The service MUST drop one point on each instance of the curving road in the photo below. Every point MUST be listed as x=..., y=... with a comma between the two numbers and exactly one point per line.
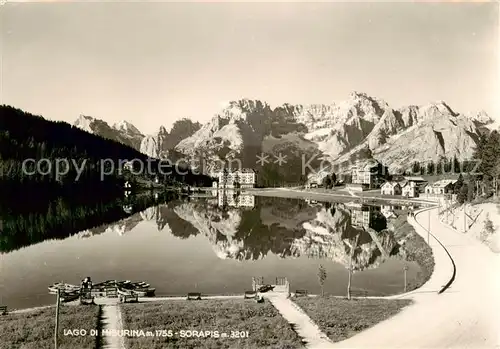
x=464, y=315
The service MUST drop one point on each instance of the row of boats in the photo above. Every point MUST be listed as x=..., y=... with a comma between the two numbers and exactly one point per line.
x=70, y=292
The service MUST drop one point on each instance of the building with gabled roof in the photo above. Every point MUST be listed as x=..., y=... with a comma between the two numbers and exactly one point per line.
x=391, y=188
x=444, y=186
x=410, y=189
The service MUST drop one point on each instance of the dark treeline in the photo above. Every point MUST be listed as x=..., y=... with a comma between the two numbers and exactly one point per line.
x=41, y=203
x=25, y=136
x=442, y=166
x=484, y=183
x=488, y=154
x=62, y=218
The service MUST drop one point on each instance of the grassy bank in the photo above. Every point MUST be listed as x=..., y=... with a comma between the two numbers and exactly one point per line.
x=35, y=329
x=341, y=318
x=416, y=248
x=265, y=327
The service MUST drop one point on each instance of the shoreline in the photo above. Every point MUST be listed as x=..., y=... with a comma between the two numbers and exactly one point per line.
x=270, y=192
x=333, y=196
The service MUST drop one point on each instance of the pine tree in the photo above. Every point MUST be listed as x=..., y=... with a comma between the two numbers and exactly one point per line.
x=333, y=177
x=462, y=196
x=327, y=182
x=458, y=184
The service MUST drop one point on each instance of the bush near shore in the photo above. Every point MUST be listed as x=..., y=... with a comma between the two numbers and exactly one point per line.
x=35, y=329
x=416, y=249
x=265, y=326
x=340, y=318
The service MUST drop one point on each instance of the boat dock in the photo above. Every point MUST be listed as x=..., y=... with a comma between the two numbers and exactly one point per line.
x=281, y=286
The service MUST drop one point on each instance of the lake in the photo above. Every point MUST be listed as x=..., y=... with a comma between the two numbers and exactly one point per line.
x=215, y=246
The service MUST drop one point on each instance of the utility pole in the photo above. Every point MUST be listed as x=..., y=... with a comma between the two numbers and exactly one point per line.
x=405, y=270
x=56, y=330
x=353, y=248
x=465, y=217
x=428, y=225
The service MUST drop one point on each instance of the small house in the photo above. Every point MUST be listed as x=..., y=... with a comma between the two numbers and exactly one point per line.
x=391, y=188
x=441, y=187
x=410, y=189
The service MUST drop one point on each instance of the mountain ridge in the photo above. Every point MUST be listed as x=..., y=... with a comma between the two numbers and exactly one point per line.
x=337, y=131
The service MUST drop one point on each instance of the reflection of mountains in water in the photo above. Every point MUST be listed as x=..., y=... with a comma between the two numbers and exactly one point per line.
x=291, y=231
x=127, y=224
x=332, y=234
x=287, y=228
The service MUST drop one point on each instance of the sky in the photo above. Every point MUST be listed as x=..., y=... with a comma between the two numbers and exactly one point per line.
x=154, y=63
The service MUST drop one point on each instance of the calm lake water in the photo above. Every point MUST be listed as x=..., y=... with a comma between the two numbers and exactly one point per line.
x=215, y=246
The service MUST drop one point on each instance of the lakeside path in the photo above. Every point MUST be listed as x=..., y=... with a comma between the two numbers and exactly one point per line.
x=465, y=315
x=112, y=321
x=458, y=307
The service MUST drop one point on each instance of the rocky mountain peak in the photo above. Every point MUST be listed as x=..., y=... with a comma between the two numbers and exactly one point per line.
x=84, y=122
x=125, y=126
x=481, y=117
x=239, y=110
x=439, y=107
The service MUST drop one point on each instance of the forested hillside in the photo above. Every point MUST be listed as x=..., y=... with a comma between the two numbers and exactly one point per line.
x=25, y=136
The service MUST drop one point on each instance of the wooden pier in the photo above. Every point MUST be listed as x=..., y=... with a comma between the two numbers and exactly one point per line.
x=280, y=285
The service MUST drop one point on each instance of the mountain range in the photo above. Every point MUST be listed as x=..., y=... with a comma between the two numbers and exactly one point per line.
x=359, y=127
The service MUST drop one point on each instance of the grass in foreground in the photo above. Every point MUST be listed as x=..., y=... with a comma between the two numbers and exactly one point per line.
x=264, y=325
x=341, y=318
x=35, y=329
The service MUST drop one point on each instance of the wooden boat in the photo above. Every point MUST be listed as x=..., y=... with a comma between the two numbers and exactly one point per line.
x=123, y=292
x=63, y=287
x=133, y=285
x=265, y=288
x=68, y=297
x=146, y=292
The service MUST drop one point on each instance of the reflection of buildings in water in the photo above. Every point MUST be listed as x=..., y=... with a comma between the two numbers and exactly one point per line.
x=388, y=211
x=362, y=215
x=313, y=202
x=229, y=198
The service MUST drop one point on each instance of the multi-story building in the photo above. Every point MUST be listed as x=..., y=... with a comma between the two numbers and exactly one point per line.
x=227, y=178
x=369, y=174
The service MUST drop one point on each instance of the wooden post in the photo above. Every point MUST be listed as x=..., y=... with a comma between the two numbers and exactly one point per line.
x=405, y=270
x=353, y=248
x=428, y=225
x=465, y=218
x=349, y=281
x=56, y=330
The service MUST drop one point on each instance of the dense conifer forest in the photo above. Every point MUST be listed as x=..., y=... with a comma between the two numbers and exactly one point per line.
x=36, y=204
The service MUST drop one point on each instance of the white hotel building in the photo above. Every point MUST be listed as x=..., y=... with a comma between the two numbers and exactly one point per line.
x=228, y=178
